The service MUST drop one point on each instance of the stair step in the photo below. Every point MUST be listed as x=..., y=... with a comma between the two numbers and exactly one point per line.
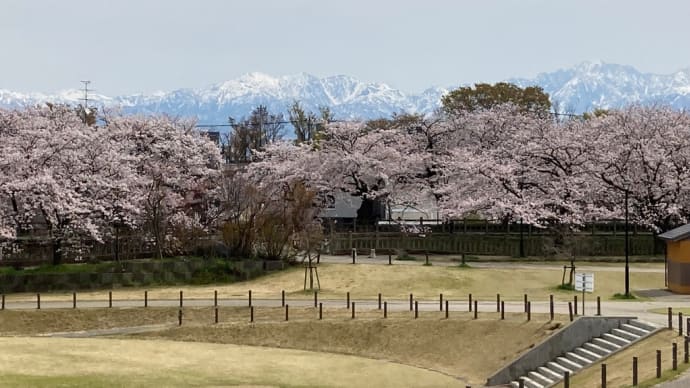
x=529, y=383
x=539, y=378
x=568, y=364
x=574, y=357
x=550, y=374
x=558, y=368
x=584, y=353
x=616, y=339
x=643, y=325
x=634, y=329
x=626, y=334
x=594, y=348
x=606, y=344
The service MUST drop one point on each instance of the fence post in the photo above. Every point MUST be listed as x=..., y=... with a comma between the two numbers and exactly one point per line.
x=575, y=304
x=286, y=312
x=282, y=298
x=603, y=375
x=181, y=298
x=680, y=323
x=570, y=310
x=446, y=308
x=110, y=299
x=475, y=309
x=416, y=309
x=3, y=301
x=525, y=302
x=658, y=364
x=38, y=301
x=390, y=262
x=320, y=311
x=566, y=380
x=385, y=309
x=316, y=299
x=249, y=297
x=353, y=310
x=634, y=372
x=411, y=306
x=598, y=305
x=347, y=300
x=354, y=255
x=498, y=303
x=551, y=306
x=470, y=302
x=503, y=310
x=440, y=302
x=379, y=301
x=74, y=300
x=146, y=299
x=251, y=313
x=179, y=317
x=674, y=356
x=670, y=318
x=529, y=311
x=215, y=299
x=216, y=315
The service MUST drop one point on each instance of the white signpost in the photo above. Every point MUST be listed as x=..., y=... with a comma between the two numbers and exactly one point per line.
x=584, y=282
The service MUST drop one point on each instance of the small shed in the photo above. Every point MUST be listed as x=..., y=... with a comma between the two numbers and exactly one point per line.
x=678, y=259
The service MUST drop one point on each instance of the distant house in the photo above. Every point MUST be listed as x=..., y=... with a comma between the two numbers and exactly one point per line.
x=678, y=259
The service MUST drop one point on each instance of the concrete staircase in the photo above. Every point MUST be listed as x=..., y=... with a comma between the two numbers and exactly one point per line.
x=586, y=355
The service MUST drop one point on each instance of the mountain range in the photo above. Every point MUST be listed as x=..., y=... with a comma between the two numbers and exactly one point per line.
x=578, y=89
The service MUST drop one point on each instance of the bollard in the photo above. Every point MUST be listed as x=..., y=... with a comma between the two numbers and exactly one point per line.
x=634, y=372
x=316, y=299
x=603, y=375
x=74, y=300
x=475, y=309
x=498, y=303
x=529, y=311
x=320, y=311
x=503, y=310
x=440, y=302
x=680, y=324
x=3, y=301
x=658, y=364
x=551, y=306
x=390, y=262
x=446, y=308
x=215, y=299
x=566, y=380
x=411, y=306
x=181, y=298
x=286, y=312
x=250, y=298
x=598, y=306
x=347, y=299
x=525, y=302
x=416, y=309
x=385, y=309
x=670, y=318
x=353, y=310
x=354, y=255
x=686, y=354
x=110, y=299
x=216, y=315
x=146, y=299
x=470, y=299
x=575, y=304
x=570, y=310
x=179, y=317
x=38, y=301
x=379, y=301
x=674, y=356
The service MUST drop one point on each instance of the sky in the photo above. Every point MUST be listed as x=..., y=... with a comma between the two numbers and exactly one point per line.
x=142, y=46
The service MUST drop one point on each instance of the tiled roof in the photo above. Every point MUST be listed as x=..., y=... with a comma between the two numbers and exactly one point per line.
x=679, y=233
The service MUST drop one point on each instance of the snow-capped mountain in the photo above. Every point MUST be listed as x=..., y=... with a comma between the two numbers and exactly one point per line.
x=583, y=87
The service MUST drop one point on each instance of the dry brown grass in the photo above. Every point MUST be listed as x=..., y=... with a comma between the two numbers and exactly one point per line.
x=49, y=362
x=460, y=346
x=394, y=282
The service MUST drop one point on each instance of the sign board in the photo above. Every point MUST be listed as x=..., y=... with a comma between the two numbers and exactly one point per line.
x=584, y=282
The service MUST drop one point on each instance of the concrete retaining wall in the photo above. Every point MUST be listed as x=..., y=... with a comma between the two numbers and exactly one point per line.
x=570, y=337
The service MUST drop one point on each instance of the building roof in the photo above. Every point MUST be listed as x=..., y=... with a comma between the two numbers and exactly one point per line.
x=677, y=234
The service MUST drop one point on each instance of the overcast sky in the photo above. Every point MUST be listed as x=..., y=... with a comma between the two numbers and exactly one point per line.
x=131, y=46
